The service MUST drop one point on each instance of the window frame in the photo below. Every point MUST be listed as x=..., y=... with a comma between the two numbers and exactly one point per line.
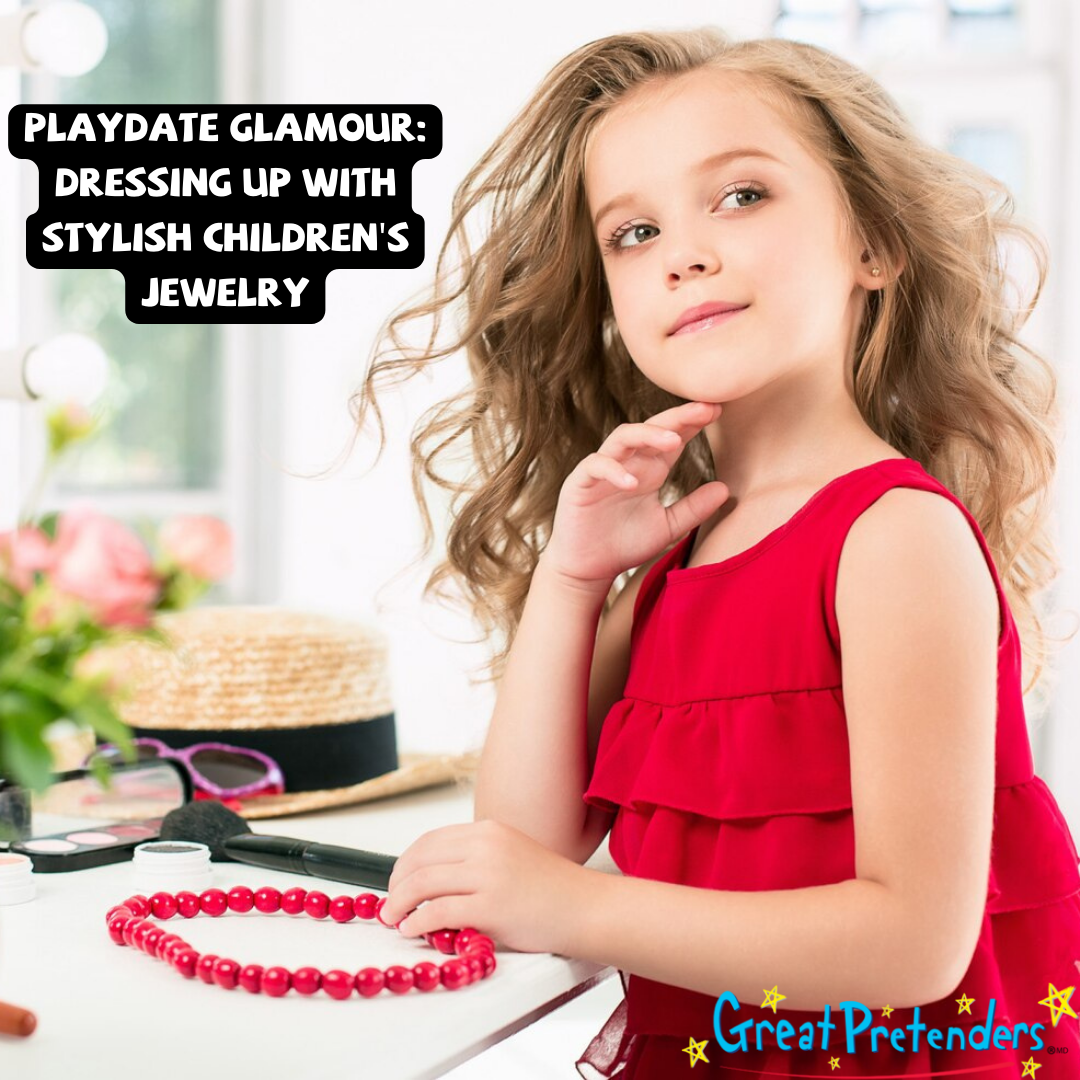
x=243, y=497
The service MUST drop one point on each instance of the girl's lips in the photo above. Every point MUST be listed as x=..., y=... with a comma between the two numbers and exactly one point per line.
x=708, y=322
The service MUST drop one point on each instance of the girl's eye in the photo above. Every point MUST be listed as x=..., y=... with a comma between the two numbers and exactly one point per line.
x=614, y=241
x=757, y=193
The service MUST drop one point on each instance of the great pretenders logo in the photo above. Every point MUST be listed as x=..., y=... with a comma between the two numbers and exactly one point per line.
x=838, y=1032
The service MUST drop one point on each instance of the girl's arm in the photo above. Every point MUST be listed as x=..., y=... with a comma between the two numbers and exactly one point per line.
x=918, y=615
x=556, y=690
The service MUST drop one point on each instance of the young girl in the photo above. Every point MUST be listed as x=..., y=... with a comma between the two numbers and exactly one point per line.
x=730, y=272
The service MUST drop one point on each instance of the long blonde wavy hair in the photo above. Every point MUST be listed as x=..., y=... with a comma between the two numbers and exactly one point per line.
x=939, y=372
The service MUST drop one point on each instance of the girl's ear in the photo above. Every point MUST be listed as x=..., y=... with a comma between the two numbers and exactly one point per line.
x=874, y=272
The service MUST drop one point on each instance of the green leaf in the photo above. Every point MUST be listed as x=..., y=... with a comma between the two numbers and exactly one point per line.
x=47, y=523
x=102, y=771
x=100, y=715
x=26, y=710
x=27, y=758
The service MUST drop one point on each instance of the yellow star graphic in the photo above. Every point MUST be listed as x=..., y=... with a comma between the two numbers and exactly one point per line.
x=696, y=1050
x=1058, y=1001
x=887, y=1011
x=965, y=1004
x=834, y=1063
x=773, y=998
x=1030, y=1067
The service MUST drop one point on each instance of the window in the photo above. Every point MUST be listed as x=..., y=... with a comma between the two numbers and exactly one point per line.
x=180, y=399
x=902, y=27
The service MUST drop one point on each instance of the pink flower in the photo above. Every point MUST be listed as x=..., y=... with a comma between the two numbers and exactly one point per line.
x=106, y=666
x=22, y=553
x=104, y=564
x=201, y=545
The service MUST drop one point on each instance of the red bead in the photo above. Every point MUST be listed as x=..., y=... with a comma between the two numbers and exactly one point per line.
x=341, y=909
x=139, y=905
x=205, y=967
x=338, y=984
x=425, y=975
x=268, y=900
x=241, y=899
x=454, y=974
x=213, y=902
x=120, y=909
x=130, y=928
x=476, y=966
x=443, y=940
x=317, y=904
x=163, y=944
x=399, y=980
x=185, y=962
x=138, y=936
x=187, y=904
x=463, y=939
x=364, y=905
x=152, y=940
x=163, y=905
x=369, y=981
x=226, y=972
x=117, y=925
x=306, y=980
x=250, y=978
x=170, y=952
x=481, y=941
x=488, y=960
x=292, y=901
x=276, y=981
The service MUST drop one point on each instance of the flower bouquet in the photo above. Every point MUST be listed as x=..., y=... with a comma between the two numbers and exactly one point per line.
x=74, y=586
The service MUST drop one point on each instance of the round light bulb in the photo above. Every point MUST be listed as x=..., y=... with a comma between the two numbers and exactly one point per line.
x=69, y=367
x=65, y=37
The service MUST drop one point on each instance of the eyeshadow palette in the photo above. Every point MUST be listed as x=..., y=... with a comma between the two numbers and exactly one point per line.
x=80, y=849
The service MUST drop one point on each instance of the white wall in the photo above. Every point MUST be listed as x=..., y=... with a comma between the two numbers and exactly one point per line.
x=11, y=258
x=344, y=538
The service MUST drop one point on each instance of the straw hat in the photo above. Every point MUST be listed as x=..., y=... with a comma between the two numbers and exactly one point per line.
x=310, y=691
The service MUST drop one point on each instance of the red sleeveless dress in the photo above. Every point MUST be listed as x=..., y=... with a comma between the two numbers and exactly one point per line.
x=736, y=665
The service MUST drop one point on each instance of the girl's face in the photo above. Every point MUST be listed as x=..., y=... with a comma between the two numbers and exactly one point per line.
x=700, y=195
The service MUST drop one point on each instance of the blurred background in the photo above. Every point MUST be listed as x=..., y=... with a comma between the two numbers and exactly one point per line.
x=236, y=421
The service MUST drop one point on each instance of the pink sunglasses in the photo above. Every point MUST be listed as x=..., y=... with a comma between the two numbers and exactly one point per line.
x=217, y=770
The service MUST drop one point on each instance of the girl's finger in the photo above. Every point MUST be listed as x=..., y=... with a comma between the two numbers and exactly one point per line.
x=426, y=884
x=444, y=845
x=437, y=915
x=666, y=431
x=635, y=436
x=691, y=415
x=694, y=508
x=602, y=469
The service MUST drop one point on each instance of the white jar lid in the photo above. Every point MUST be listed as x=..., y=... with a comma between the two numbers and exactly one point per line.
x=17, y=884
x=172, y=866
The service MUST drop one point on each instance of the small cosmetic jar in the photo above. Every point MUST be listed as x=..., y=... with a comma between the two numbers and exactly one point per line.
x=172, y=866
x=16, y=879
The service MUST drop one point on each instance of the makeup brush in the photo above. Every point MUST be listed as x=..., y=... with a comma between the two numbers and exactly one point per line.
x=229, y=838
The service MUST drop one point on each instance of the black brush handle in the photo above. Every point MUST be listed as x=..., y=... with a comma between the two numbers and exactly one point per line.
x=329, y=861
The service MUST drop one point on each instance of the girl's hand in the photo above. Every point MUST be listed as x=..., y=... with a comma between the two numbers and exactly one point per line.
x=609, y=518
x=491, y=877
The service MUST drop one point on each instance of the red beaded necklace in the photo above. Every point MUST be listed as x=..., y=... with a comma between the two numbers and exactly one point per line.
x=128, y=925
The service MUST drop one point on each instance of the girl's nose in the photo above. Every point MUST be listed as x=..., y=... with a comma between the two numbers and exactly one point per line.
x=690, y=259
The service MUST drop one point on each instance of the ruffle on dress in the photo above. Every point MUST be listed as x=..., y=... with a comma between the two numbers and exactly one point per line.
x=687, y=814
